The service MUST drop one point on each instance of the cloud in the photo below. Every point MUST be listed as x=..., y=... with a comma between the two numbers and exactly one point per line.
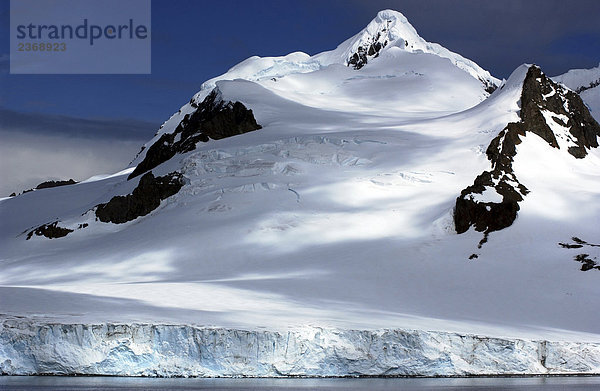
x=43, y=124
x=27, y=159
x=38, y=147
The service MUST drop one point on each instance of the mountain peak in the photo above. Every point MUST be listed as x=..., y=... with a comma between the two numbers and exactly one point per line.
x=396, y=23
x=389, y=28
x=390, y=14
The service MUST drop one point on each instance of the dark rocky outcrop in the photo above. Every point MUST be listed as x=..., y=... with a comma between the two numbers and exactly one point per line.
x=568, y=245
x=214, y=119
x=144, y=199
x=583, y=127
x=50, y=230
x=578, y=243
x=586, y=262
x=369, y=49
x=493, y=216
x=539, y=94
x=488, y=86
x=358, y=59
x=49, y=184
x=46, y=185
x=588, y=87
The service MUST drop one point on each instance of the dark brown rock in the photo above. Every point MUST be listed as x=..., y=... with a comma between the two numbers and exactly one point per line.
x=214, y=119
x=588, y=87
x=586, y=262
x=567, y=245
x=583, y=127
x=51, y=231
x=489, y=87
x=373, y=46
x=538, y=93
x=144, y=199
x=486, y=217
x=578, y=243
x=358, y=59
x=49, y=184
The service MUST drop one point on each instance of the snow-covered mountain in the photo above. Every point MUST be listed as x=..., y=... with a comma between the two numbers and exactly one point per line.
x=324, y=198
x=586, y=82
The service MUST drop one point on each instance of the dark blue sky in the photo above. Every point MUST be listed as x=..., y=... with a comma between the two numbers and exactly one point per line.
x=193, y=41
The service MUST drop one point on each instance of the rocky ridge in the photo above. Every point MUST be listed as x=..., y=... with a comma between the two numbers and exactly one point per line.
x=548, y=110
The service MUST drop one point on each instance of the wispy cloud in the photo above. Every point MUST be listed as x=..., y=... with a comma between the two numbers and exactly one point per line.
x=44, y=124
x=39, y=147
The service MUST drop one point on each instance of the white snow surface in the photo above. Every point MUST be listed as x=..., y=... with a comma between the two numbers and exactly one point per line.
x=414, y=78
x=577, y=78
x=335, y=216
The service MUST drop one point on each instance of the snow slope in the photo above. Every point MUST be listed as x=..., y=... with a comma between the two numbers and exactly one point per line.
x=587, y=83
x=413, y=79
x=336, y=214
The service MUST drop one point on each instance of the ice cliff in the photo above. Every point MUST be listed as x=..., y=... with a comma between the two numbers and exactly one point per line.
x=181, y=350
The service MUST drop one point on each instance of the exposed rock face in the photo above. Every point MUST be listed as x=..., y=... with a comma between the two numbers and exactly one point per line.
x=50, y=230
x=579, y=243
x=46, y=185
x=144, y=199
x=588, y=87
x=214, y=119
x=548, y=110
x=487, y=215
x=543, y=99
x=586, y=262
x=49, y=184
x=488, y=86
x=370, y=50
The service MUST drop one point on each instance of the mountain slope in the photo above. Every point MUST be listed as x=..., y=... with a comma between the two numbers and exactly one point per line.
x=326, y=197
x=407, y=81
x=586, y=82
x=549, y=111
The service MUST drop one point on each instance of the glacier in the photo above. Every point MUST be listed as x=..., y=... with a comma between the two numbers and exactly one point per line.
x=162, y=350
x=322, y=244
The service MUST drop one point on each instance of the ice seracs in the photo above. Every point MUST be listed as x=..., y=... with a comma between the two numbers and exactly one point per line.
x=27, y=348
